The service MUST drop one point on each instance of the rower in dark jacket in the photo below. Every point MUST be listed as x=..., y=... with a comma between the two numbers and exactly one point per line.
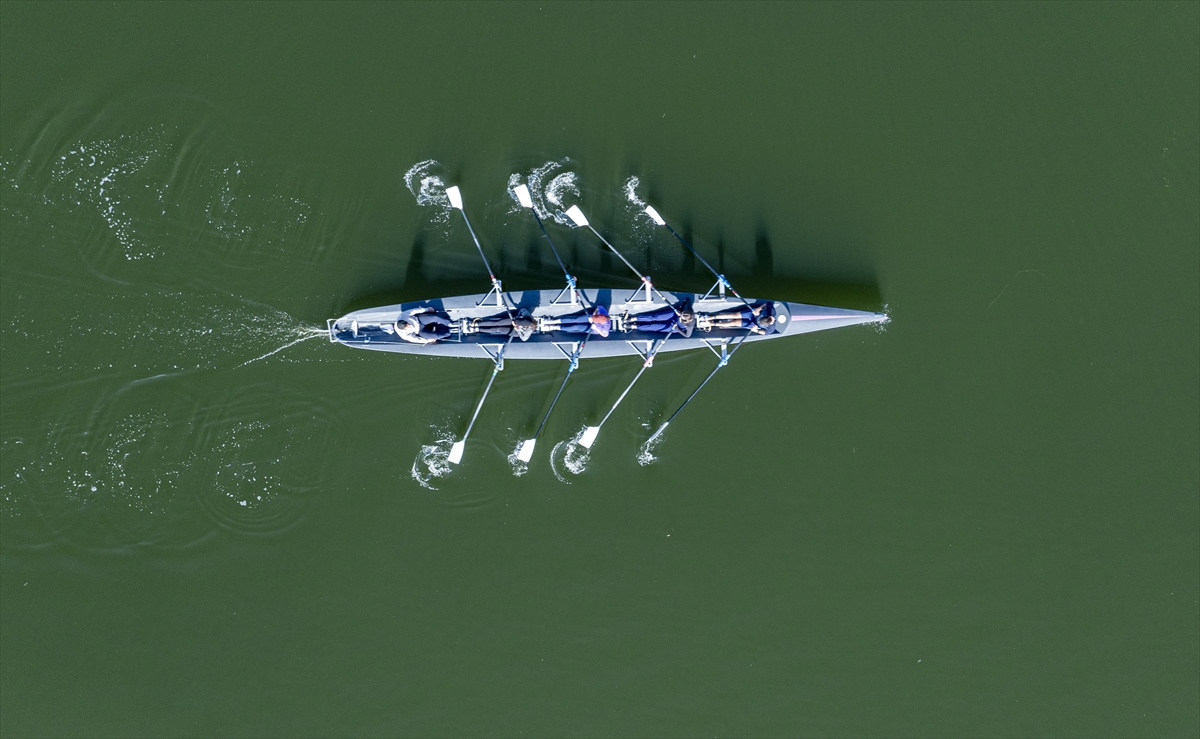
x=520, y=326
x=595, y=322
x=664, y=320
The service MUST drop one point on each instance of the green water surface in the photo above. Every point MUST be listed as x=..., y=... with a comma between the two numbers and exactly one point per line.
x=981, y=521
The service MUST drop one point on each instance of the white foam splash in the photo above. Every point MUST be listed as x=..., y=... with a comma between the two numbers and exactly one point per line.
x=547, y=198
x=645, y=455
x=554, y=462
x=561, y=186
x=881, y=325
x=576, y=456
x=518, y=467
x=631, y=195
x=514, y=179
x=429, y=189
x=433, y=461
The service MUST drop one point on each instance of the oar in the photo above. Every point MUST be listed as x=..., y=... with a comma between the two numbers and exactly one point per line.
x=526, y=201
x=456, y=450
x=576, y=215
x=591, y=432
x=456, y=201
x=724, y=360
x=526, y=452
x=650, y=211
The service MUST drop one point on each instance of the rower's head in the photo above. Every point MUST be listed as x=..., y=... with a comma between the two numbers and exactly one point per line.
x=405, y=325
x=765, y=321
x=686, y=316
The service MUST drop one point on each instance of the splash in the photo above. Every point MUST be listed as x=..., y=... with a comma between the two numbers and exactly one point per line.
x=559, y=188
x=429, y=189
x=881, y=324
x=574, y=456
x=547, y=190
x=518, y=467
x=645, y=455
x=554, y=463
x=631, y=195
x=433, y=461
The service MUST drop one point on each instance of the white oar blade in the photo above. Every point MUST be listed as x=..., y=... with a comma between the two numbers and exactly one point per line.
x=526, y=452
x=456, y=452
x=523, y=196
x=589, y=436
x=650, y=211
x=659, y=432
x=575, y=214
x=455, y=196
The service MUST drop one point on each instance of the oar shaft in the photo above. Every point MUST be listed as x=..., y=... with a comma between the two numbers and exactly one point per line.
x=628, y=264
x=479, y=407
x=627, y=389
x=716, y=274
x=551, y=243
x=478, y=246
x=641, y=276
x=556, y=396
x=695, y=392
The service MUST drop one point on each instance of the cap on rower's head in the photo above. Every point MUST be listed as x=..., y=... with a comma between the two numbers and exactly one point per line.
x=403, y=324
x=765, y=320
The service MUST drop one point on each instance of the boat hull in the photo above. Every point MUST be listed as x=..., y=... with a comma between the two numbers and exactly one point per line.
x=792, y=319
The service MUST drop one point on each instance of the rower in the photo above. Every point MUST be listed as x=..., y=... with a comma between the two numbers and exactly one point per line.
x=423, y=325
x=595, y=321
x=520, y=326
x=667, y=320
x=760, y=319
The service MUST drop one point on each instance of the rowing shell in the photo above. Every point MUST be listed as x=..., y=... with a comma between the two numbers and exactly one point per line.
x=364, y=329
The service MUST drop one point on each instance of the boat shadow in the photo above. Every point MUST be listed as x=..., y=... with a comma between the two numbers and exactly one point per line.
x=853, y=288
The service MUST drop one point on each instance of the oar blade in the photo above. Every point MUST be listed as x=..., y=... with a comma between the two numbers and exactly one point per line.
x=455, y=196
x=523, y=197
x=650, y=211
x=526, y=452
x=456, y=451
x=589, y=436
x=575, y=214
x=659, y=432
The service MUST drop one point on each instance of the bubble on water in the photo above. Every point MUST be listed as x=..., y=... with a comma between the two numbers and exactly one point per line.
x=429, y=188
x=518, y=467
x=107, y=166
x=433, y=460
